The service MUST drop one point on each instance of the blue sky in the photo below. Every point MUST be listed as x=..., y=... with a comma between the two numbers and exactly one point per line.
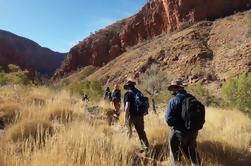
x=60, y=24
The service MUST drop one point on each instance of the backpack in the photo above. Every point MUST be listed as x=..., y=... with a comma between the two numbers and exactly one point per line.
x=141, y=103
x=193, y=113
x=116, y=95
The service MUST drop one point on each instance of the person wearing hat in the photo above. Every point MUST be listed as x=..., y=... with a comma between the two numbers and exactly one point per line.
x=131, y=116
x=181, y=140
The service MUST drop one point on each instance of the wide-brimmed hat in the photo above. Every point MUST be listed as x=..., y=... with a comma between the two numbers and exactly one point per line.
x=129, y=82
x=176, y=84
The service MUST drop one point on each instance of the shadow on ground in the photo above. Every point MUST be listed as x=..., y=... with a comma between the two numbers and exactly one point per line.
x=212, y=152
x=224, y=154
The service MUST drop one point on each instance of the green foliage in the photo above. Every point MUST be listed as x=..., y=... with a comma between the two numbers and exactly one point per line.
x=236, y=92
x=164, y=96
x=154, y=80
x=15, y=76
x=93, y=89
x=155, y=83
x=202, y=94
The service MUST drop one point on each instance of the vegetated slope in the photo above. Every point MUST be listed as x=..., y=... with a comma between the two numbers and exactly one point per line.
x=155, y=18
x=77, y=76
x=27, y=54
x=208, y=51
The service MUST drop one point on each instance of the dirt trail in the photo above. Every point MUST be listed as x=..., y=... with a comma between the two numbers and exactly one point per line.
x=1, y=132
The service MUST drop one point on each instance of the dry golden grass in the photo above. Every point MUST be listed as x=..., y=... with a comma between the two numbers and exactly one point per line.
x=39, y=95
x=225, y=139
x=32, y=129
x=9, y=112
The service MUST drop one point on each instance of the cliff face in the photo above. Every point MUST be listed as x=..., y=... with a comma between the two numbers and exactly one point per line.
x=28, y=54
x=207, y=52
x=97, y=49
x=156, y=17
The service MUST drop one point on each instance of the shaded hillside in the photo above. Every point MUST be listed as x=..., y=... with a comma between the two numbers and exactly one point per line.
x=27, y=54
x=155, y=18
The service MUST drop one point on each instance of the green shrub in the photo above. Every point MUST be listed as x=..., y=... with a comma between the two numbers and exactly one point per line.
x=164, y=96
x=93, y=89
x=155, y=83
x=202, y=94
x=236, y=92
x=15, y=76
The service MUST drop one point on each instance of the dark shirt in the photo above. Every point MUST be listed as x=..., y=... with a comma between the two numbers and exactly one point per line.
x=173, y=113
x=130, y=97
x=108, y=95
x=116, y=95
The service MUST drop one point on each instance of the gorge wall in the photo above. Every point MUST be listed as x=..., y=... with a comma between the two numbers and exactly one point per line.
x=155, y=18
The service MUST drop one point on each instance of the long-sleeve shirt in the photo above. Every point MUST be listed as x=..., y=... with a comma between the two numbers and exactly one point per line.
x=173, y=113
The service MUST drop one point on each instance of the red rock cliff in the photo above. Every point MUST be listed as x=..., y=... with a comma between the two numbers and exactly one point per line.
x=156, y=17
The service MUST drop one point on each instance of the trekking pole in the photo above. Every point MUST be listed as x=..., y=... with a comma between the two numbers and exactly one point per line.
x=154, y=106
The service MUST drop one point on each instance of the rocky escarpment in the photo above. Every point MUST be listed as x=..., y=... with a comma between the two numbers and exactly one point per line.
x=27, y=54
x=156, y=17
x=207, y=52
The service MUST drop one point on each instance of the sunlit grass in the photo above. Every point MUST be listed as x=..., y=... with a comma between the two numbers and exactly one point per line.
x=58, y=132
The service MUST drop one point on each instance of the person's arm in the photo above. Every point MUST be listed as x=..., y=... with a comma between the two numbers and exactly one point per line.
x=127, y=107
x=169, y=115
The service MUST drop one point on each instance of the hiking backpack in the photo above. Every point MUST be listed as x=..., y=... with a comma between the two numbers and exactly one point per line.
x=141, y=103
x=193, y=113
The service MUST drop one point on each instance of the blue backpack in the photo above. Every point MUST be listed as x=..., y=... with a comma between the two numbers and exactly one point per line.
x=141, y=103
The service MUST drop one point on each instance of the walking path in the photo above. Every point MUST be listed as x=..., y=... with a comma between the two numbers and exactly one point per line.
x=1, y=132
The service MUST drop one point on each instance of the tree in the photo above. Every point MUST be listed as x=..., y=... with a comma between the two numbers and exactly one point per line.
x=155, y=82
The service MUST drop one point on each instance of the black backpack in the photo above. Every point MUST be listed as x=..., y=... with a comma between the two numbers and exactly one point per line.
x=193, y=113
x=141, y=103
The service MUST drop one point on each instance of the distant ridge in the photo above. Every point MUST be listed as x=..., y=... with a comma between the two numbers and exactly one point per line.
x=28, y=54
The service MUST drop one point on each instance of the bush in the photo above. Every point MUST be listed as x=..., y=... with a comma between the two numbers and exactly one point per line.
x=93, y=89
x=202, y=94
x=155, y=83
x=15, y=76
x=236, y=92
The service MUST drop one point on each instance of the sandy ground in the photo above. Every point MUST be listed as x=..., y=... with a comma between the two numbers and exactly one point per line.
x=1, y=132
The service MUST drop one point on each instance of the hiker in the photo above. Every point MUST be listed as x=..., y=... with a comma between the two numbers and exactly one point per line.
x=85, y=98
x=186, y=115
x=136, y=106
x=116, y=100
x=1, y=124
x=108, y=94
